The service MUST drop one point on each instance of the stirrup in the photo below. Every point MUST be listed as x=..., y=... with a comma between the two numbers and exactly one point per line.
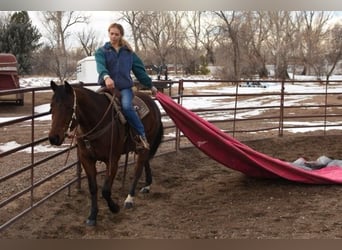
x=142, y=143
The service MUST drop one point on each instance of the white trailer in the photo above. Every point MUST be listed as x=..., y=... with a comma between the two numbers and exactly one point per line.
x=86, y=70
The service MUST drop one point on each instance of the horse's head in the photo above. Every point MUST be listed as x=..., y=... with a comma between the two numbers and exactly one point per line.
x=62, y=109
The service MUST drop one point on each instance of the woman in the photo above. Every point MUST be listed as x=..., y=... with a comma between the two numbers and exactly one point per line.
x=114, y=61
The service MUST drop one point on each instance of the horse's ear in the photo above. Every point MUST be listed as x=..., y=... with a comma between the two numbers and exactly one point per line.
x=68, y=87
x=53, y=85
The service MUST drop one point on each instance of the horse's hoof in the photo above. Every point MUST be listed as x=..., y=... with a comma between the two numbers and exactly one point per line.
x=128, y=205
x=91, y=222
x=114, y=208
x=145, y=190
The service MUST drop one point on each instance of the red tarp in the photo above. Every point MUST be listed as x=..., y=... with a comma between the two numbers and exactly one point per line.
x=235, y=155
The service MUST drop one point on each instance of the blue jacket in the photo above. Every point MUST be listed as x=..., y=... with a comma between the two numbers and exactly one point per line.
x=118, y=65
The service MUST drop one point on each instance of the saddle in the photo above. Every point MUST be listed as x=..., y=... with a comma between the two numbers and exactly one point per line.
x=139, y=105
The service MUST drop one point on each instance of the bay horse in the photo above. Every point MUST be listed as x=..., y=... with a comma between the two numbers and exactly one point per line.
x=101, y=136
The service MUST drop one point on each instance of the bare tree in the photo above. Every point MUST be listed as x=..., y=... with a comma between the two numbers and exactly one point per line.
x=158, y=34
x=209, y=37
x=58, y=24
x=194, y=21
x=194, y=25
x=280, y=43
x=177, y=55
x=333, y=48
x=88, y=41
x=243, y=42
x=313, y=33
x=136, y=20
x=231, y=25
x=256, y=33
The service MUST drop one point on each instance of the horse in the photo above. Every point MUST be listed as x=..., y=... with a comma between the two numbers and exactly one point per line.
x=102, y=136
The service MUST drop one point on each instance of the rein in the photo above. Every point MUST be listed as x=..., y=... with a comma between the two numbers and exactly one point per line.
x=98, y=133
x=72, y=141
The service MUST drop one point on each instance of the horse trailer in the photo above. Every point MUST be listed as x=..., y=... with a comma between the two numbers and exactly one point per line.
x=86, y=70
x=9, y=78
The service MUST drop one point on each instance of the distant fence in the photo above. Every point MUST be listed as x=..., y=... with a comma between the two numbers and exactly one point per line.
x=29, y=176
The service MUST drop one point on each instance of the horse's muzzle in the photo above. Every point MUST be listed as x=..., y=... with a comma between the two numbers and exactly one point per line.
x=55, y=140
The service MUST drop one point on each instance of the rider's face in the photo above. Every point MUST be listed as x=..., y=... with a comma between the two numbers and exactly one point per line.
x=114, y=35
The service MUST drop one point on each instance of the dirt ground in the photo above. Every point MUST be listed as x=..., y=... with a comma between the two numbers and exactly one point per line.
x=194, y=197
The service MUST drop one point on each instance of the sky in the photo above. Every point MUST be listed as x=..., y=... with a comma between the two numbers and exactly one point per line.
x=171, y=5
x=100, y=20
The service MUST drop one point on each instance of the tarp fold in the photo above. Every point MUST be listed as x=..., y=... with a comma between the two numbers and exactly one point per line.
x=235, y=155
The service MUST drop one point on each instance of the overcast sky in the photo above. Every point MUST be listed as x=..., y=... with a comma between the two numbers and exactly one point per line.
x=100, y=20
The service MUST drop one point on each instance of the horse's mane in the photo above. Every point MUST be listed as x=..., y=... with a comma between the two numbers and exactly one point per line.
x=92, y=96
x=87, y=91
x=81, y=87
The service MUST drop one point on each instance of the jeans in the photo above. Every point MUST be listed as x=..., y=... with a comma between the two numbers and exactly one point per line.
x=129, y=112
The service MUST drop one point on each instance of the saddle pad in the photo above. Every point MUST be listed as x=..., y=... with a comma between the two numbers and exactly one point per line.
x=140, y=106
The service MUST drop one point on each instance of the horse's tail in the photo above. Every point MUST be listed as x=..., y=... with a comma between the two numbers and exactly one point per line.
x=157, y=140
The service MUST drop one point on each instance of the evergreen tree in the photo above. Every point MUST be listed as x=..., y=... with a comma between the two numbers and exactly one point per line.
x=20, y=38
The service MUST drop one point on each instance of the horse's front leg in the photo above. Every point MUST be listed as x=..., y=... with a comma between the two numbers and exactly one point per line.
x=89, y=167
x=91, y=221
x=107, y=186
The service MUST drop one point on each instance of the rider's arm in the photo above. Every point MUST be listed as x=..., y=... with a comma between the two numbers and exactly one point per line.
x=140, y=73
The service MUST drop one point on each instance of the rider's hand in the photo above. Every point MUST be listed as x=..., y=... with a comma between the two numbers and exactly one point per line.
x=109, y=83
x=154, y=90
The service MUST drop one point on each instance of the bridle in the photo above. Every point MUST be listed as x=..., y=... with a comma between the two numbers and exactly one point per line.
x=91, y=134
x=73, y=128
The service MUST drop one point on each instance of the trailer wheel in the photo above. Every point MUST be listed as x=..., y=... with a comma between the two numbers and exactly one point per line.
x=20, y=102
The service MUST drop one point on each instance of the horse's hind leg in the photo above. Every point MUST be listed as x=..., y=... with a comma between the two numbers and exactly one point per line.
x=137, y=174
x=148, y=178
x=106, y=190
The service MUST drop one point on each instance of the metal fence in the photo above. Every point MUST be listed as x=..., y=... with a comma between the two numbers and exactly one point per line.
x=29, y=176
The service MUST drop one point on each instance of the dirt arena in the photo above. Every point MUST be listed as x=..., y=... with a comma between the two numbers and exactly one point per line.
x=194, y=197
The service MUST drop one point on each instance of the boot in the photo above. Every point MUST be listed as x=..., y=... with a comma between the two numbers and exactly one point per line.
x=142, y=143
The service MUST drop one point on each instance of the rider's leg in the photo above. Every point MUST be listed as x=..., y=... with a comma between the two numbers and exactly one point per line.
x=132, y=116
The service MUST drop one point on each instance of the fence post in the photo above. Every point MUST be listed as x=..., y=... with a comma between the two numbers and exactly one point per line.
x=235, y=105
x=281, y=117
x=325, y=106
x=32, y=147
x=179, y=99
